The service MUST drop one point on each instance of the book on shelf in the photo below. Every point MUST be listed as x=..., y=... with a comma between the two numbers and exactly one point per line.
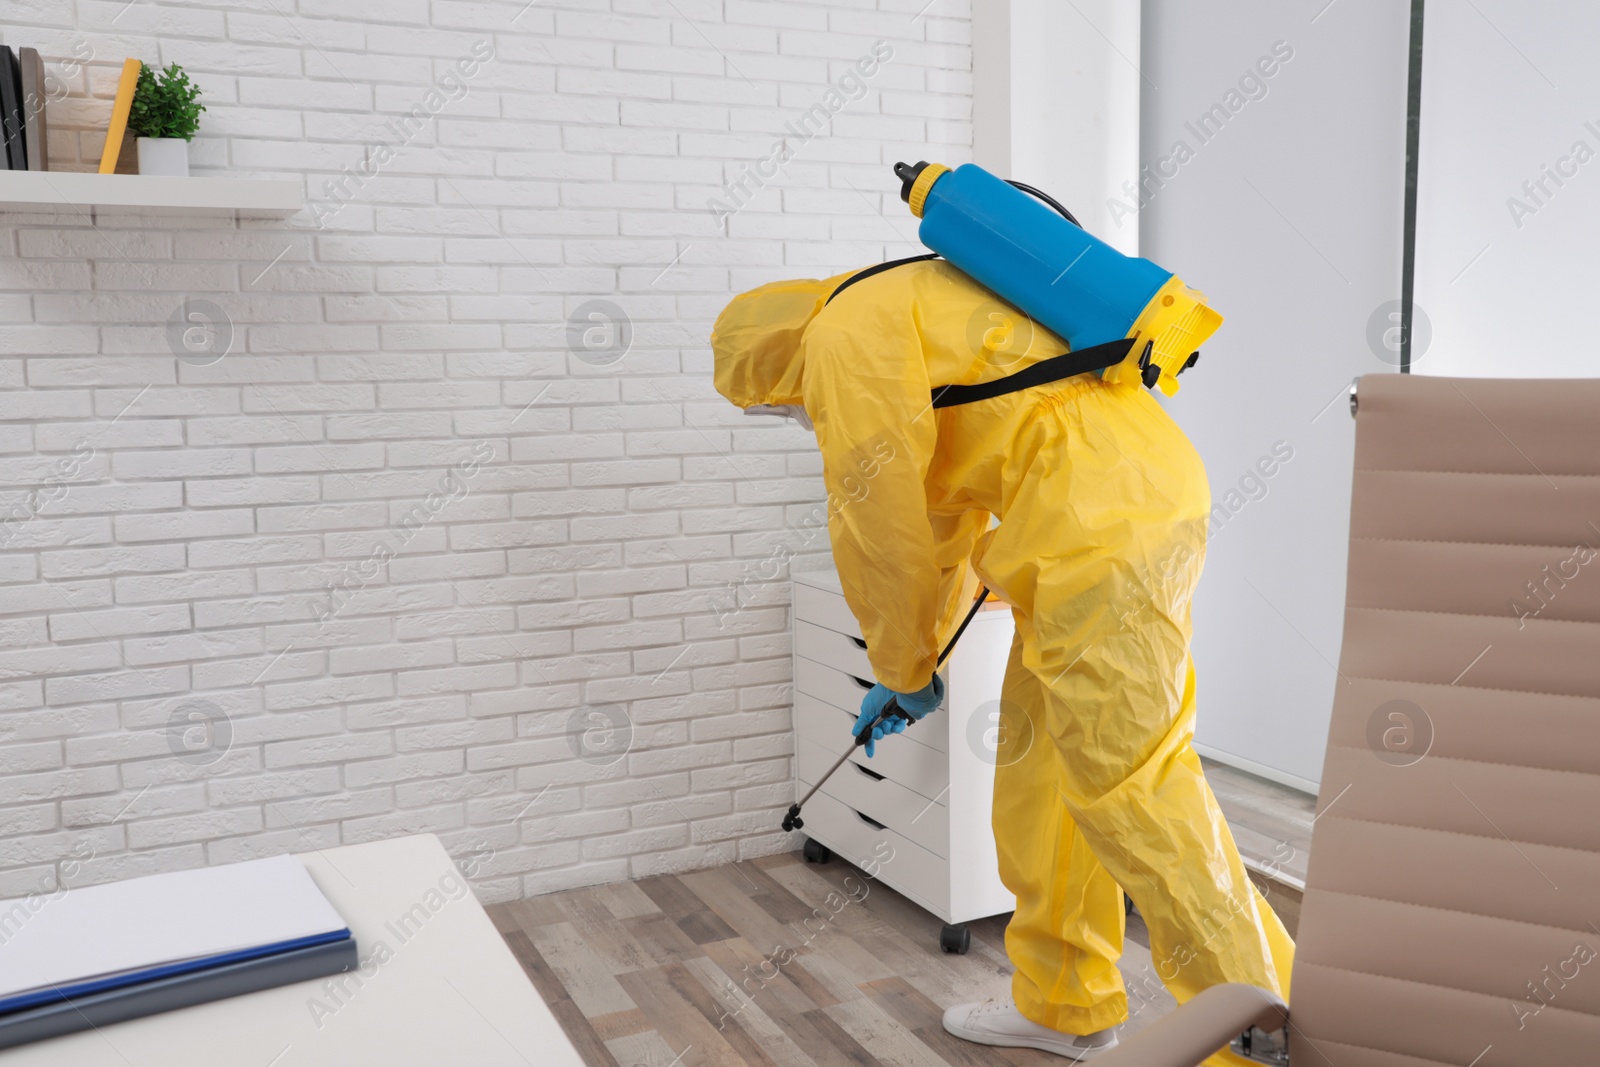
x=119, y=115
x=34, y=94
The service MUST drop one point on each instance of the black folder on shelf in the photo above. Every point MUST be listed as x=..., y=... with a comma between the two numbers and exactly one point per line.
x=11, y=117
x=176, y=991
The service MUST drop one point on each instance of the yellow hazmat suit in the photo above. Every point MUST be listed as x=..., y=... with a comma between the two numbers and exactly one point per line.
x=1102, y=506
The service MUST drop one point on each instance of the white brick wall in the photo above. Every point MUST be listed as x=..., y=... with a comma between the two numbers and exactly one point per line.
x=399, y=556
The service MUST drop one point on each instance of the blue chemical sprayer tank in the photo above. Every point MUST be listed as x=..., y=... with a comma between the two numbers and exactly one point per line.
x=1057, y=273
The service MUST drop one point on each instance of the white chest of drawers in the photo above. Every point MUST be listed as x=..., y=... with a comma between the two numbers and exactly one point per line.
x=917, y=814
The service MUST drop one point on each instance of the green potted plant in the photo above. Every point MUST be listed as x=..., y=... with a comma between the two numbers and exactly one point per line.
x=164, y=116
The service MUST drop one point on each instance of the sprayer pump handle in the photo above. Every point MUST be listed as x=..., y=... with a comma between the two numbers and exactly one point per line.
x=889, y=714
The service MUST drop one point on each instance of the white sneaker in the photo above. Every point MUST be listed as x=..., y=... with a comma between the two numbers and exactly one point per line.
x=998, y=1022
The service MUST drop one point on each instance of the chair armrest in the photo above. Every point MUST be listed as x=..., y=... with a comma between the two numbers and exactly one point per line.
x=1198, y=1028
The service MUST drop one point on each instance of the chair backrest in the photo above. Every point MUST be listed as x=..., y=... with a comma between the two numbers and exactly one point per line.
x=1452, y=906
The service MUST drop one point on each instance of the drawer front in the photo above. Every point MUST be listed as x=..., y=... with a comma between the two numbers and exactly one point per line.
x=902, y=865
x=832, y=649
x=827, y=610
x=844, y=691
x=901, y=759
x=910, y=814
x=840, y=688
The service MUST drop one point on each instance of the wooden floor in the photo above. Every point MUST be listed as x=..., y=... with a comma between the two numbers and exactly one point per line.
x=777, y=961
x=732, y=965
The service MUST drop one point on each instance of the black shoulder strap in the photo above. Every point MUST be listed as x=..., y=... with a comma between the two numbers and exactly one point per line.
x=1043, y=372
x=1066, y=365
x=878, y=268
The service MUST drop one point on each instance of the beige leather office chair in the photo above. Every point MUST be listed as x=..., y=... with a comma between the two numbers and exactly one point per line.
x=1452, y=905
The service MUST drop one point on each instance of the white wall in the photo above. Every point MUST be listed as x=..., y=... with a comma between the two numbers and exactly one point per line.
x=1056, y=102
x=168, y=697
x=1287, y=212
x=1508, y=197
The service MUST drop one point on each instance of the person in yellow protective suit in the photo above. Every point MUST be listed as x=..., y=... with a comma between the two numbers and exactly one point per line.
x=1102, y=506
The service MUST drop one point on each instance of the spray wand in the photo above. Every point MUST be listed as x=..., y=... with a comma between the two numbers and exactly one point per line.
x=792, y=820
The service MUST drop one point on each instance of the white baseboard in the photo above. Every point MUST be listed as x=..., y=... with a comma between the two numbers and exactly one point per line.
x=1271, y=774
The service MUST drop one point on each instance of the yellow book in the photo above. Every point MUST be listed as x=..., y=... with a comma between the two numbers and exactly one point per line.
x=119, y=115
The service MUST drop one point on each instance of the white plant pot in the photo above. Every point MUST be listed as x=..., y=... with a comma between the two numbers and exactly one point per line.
x=164, y=155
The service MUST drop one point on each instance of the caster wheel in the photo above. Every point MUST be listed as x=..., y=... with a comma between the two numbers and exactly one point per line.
x=816, y=852
x=1127, y=904
x=956, y=939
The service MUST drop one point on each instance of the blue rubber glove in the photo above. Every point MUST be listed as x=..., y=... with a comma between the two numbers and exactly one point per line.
x=915, y=705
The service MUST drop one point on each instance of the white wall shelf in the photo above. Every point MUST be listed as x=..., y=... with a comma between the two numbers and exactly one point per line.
x=57, y=192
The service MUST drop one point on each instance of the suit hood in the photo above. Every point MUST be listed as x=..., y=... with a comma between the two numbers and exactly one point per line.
x=756, y=340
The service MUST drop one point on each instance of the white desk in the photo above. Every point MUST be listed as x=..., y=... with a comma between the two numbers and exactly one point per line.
x=449, y=991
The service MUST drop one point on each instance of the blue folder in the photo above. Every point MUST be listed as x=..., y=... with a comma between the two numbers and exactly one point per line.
x=139, y=977
x=159, y=994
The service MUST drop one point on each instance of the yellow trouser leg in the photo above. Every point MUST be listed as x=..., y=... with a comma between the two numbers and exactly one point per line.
x=1162, y=836
x=1099, y=550
x=1208, y=923
x=1066, y=936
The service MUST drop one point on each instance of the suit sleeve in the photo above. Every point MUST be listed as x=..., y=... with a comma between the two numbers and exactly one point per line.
x=866, y=389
